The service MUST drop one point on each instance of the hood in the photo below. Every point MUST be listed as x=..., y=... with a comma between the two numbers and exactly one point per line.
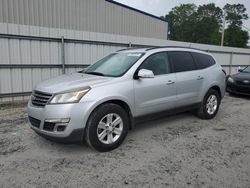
x=241, y=76
x=70, y=82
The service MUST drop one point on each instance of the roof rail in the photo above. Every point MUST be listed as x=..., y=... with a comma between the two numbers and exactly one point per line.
x=173, y=47
x=133, y=48
x=148, y=48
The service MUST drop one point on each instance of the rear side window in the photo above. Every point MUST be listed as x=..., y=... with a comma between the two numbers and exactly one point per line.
x=202, y=60
x=182, y=61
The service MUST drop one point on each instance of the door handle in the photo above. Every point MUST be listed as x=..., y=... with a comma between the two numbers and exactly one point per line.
x=200, y=78
x=170, y=82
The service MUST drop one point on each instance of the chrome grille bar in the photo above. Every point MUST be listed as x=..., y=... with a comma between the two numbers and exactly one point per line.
x=40, y=99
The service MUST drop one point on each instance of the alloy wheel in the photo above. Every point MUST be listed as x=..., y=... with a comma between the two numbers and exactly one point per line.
x=110, y=128
x=212, y=104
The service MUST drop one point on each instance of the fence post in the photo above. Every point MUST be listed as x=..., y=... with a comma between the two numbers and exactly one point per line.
x=231, y=63
x=63, y=54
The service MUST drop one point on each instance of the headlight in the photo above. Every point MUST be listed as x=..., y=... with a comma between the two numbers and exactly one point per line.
x=230, y=79
x=70, y=97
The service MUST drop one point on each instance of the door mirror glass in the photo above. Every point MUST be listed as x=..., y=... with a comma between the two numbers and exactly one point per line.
x=145, y=73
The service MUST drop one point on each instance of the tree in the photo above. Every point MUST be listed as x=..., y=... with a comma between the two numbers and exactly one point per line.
x=181, y=19
x=191, y=24
x=203, y=24
x=234, y=35
x=235, y=14
x=209, y=20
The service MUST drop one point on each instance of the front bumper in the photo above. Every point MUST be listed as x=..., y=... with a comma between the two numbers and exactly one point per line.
x=238, y=89
x=76, y=136
x=77, y=115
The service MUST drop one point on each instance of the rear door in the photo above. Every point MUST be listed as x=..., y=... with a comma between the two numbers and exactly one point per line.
x=188, y=78
x=158, y=93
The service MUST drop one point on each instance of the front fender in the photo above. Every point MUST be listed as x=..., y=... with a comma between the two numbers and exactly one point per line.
x=97, y=103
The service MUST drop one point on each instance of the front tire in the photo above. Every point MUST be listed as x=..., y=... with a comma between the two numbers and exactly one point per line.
x=107, y=127
x=210, y=105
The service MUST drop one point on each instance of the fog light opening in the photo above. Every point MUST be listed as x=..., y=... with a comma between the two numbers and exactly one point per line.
x=56, y=125
x=60, y=128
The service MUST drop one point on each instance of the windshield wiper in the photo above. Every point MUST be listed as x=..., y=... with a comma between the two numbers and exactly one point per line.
x=95, y=73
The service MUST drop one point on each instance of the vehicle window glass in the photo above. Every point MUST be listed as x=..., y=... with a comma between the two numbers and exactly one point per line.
x=211, y=59
x=202, y=60
x=246, y=70
x=114, y=65
x=158, y=63
x=182, y=61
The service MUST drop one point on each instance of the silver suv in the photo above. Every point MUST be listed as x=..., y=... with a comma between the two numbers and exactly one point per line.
x=100, y=103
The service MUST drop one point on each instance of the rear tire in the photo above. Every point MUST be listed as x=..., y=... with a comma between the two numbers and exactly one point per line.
x=107, y=127
x=210, y=105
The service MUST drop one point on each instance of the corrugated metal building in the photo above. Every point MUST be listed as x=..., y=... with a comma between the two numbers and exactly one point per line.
x=101, y=16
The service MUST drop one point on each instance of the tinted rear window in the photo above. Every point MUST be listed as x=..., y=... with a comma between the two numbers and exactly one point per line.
x=182, y=61
x=202, y=60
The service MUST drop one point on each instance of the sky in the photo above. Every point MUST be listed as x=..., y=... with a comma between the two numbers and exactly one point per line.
x=162, y=7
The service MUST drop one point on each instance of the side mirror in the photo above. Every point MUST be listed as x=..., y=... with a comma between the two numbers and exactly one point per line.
x=240, y=69
x=145, y=73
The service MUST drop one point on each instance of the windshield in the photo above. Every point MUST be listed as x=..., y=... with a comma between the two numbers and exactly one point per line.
x=114, y=65
x=247, y=70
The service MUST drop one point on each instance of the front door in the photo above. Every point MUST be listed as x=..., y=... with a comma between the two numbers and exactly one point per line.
x=158, y=93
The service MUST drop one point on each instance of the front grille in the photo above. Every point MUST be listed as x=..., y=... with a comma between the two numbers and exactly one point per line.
x=40, y=98
x=35, y=122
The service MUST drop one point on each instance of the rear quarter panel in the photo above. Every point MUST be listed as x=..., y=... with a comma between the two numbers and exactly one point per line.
x=214, y=76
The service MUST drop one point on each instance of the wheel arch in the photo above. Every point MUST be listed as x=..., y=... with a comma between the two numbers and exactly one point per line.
x=120, y=103
x=217, y=88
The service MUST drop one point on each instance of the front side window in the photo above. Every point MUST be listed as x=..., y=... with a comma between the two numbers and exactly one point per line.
x=114, y=65
x=158, y=63
x=182, y=61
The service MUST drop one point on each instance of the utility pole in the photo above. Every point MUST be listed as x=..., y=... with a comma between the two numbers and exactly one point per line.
x=223, y=29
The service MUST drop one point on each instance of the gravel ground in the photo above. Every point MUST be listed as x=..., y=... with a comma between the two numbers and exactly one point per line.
x=177, y=151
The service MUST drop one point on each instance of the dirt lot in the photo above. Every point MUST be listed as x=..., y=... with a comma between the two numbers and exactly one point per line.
x=178, y=151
